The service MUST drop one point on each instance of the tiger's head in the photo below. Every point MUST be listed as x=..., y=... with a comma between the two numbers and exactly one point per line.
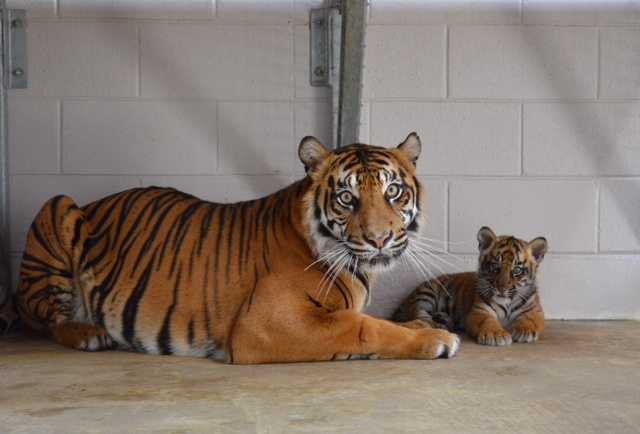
x=507, y=265
x=363, y=202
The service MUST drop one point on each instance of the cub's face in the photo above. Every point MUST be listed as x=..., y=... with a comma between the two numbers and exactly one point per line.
x=363, y=203
x=507, y=266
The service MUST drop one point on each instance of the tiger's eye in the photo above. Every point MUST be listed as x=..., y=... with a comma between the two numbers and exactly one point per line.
x=518, y=270
x=393, y=191
x=345, y=198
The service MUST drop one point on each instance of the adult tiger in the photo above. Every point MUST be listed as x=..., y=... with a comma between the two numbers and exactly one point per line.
x=278, y=279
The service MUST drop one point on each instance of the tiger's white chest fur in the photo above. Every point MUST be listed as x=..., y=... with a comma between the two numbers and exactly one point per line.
x=508, y=310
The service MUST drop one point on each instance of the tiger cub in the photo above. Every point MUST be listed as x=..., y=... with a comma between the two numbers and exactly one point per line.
x=496, y=305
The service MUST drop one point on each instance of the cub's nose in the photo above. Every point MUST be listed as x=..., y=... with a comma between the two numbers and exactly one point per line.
x=378, y=241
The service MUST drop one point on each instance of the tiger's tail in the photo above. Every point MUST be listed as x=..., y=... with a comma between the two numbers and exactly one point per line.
x=52, y=265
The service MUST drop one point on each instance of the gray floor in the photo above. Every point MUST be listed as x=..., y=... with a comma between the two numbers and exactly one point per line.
x=583, y=377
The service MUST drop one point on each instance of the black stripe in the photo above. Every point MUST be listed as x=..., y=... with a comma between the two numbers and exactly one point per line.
x=205, y=285
x=130, y=311
x=243, y=218
x=190, y=332
x=44, y=243
x=229, y=254
x=164, y=337
x=253, y=291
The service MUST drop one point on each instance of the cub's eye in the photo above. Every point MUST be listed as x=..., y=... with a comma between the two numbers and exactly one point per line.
x=393, y=191
x=345, y=198
x=518, y=270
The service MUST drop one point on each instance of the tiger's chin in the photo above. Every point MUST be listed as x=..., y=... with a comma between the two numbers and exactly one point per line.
x=379, y=263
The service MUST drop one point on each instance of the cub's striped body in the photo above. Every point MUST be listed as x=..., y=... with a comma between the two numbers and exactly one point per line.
x=159, y=271
x=496, y=305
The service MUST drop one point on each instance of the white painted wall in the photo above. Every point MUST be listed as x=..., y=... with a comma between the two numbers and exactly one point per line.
x=529, y=111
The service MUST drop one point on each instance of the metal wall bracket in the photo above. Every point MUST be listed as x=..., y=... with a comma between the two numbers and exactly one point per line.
x=336, y=61
x=14, y=23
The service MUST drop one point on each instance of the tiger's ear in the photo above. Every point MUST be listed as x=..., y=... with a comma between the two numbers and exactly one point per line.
x=311, y=153
x=538, y=248
x=486, y=238
x=411, y=147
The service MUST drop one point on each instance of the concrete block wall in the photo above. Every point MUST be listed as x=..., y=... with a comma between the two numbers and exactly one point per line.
x=529, y=111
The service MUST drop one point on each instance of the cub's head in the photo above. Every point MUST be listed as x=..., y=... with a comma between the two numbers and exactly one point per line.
x=507, y=265
x=363, y=202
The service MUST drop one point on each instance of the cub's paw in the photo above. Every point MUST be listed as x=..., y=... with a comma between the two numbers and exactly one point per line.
x=494, y=337
x=524, y=335
x=435, y=344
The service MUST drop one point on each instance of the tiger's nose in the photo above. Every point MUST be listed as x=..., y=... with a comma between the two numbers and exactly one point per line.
x=378, y=241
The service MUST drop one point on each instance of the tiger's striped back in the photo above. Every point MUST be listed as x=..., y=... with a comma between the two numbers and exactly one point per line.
x=149, y=250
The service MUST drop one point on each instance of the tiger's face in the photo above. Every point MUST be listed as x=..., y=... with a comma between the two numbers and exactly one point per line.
x=363, y=202
x=507, y=265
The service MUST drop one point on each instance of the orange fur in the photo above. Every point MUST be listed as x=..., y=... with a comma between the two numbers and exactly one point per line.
x=160, y=271
x=496, y=305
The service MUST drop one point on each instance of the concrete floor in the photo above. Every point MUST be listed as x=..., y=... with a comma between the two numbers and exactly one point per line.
x=583, y=377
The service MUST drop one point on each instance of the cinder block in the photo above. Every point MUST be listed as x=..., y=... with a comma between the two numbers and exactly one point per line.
x=619, y=216
x=166, y=9
x=523, y=62
x=562, y=211
x=82, y=59
x=392, y=287
x=222, y=188
x=139, y=137
x=457, y=138
x=254, y=11
x=581, y=139
x=34, y=8
x=620, y=63
x=27, y=194
x=313, y=119
x=204, y=61
x=33, y=135
x=581, y=12
x=404, y=62
x=256, y=138
x=590, y=287
x=434, y=231
x=445, y=12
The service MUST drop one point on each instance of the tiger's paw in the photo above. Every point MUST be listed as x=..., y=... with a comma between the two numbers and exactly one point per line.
x=497, y=338
x=524, y=335
x=436, y=344
x=83, y=337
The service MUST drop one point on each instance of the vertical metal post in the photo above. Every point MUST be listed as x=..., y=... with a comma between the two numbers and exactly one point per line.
x=351, y=66
x=5, y=278
x=336, y=61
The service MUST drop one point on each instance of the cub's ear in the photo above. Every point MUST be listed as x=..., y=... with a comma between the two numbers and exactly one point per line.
x=538, y=248
x=411, y=147
x=311, y=153
x=486, y=238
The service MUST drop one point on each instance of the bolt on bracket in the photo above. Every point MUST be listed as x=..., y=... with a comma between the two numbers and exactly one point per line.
x=336, y=61
x=14, y=42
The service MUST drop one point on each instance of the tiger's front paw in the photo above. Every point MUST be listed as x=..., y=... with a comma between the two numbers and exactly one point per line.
x=524, y=335
x=434, y=344
x=494, y=337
